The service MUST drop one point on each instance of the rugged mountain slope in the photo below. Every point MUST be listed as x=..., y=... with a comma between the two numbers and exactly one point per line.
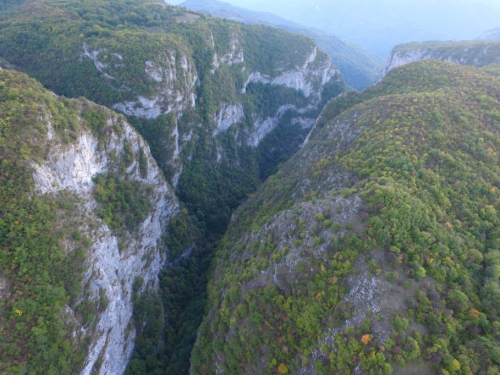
x=84, y=212
x=358, y=66
x=375, y=248
x=476, y=53
x=146, y=59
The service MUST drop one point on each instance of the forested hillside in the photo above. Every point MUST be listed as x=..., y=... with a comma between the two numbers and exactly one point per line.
x=375, y=248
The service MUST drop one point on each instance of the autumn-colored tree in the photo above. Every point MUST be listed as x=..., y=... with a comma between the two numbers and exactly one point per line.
x=282, y=369
x=474, y=314
x=366, y=339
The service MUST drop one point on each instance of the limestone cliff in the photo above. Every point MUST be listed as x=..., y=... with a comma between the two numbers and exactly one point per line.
x=114, y=260
x=67, y=144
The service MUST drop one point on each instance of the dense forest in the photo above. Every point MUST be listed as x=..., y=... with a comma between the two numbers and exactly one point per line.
x=417, y=158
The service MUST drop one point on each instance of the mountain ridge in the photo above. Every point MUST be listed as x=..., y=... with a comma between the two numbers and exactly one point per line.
x=475, y=53
x=380, y=25
x=358, y=66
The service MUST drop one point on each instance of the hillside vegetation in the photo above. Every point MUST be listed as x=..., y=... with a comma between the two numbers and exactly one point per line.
x=375, y=248
x=32, y=314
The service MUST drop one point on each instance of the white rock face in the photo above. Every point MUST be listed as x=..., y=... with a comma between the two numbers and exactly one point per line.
x=4, y=288
x=309, y=78
x=92, y=55
x=234, y=56
x=111, y=272
x=302, y=78
x=263, y=127
x=143, y=107
x=228, y=115
x=174, y=76
x=397, y=59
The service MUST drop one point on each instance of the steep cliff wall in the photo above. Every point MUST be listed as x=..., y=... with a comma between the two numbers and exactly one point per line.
x=114, y=260
x=80, y=142
x=476, y=53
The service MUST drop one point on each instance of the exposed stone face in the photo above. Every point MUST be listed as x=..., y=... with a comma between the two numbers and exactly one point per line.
x=174, y=76
x=111, y=268
x=397, y=59
x=302, y=78
x=263, y=127
x=227, y=116
x=4, y=288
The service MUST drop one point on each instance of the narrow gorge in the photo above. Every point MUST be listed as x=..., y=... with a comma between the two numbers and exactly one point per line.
x=186, y=194
x=216, y=119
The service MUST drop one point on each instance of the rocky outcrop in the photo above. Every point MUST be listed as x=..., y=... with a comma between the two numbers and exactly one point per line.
x=114, y=260
x=227, y=116
x=476, y=53
x=265, y=126
x=304, y=78
x=174, y=77
x=397, y=59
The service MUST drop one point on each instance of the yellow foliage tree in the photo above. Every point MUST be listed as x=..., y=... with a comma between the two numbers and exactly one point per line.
x=282, y=369
x=366, y=339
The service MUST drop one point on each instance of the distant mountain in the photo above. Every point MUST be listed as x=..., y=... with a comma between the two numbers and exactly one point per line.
x=359, y=66
x=477, y=53
x=225, y=10
x=381, y=24
x=493, y=34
